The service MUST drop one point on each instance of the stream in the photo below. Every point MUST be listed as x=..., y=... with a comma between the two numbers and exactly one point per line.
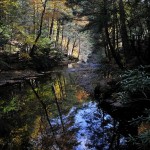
x=57, y=112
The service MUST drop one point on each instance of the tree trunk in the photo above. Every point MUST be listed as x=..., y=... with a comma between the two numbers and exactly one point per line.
x=114, y=25
x=57, y=35
x=68, y=42
x=123, y=28
x=62, y=38
x=52, y=24
x=32, y=51
x=74, y=43
x=79, y=48
x=112, y=49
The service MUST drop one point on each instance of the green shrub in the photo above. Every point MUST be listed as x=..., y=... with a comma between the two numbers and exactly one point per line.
x=135, y=80
x=134, y=84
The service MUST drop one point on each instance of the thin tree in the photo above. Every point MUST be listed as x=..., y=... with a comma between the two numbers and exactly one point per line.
x=32, y=51
x=52, y=24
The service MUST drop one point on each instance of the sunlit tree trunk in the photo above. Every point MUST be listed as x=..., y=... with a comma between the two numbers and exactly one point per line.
x=73, y=46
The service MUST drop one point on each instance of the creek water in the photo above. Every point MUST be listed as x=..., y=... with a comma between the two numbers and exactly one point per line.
x=55, y=112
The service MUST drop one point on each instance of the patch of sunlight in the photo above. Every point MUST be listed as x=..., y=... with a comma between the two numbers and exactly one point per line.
x=75, y=52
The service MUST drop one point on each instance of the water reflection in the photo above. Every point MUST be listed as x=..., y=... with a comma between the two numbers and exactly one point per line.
x=52, y=112
x=96, y=129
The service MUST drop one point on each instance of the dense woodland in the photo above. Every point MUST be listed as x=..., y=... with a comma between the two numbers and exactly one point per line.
x=33, y=36
x=36, y=28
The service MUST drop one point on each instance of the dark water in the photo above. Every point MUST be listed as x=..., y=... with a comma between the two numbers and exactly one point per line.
x=54, y=112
